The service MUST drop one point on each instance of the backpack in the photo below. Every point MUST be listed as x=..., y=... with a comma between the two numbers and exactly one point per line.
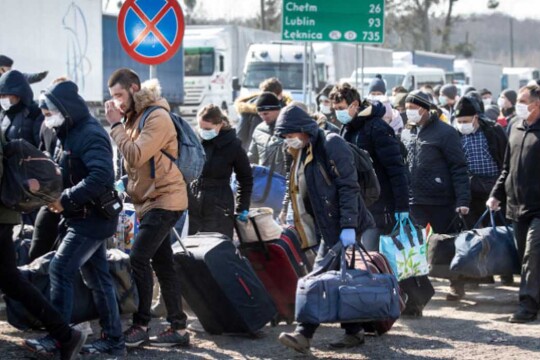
x=30, y=179
x=190, y=158
x=369, y=184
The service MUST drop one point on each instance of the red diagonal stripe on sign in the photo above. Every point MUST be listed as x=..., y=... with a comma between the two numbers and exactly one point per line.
x=150, y=26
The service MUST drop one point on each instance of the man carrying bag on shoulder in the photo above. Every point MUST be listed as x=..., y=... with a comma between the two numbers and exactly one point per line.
x=334, y=210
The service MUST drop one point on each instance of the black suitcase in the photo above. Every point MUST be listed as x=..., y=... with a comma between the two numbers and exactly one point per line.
x=220, y=285
x=419, y=292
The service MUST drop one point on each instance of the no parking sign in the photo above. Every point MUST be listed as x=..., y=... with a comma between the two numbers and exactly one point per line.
x=151, y=31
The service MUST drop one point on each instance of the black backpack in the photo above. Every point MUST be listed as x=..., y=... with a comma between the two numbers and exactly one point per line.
x=369, y=184
x=30, y=179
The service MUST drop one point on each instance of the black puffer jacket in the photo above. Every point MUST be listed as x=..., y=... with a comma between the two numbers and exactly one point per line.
x=212, y=208
x=23, y=120
x=370, y=132
x=334, y=193
x=518, y=182
x=437, y=164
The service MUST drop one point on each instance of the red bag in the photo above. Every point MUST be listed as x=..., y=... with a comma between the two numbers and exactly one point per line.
x=377, y=263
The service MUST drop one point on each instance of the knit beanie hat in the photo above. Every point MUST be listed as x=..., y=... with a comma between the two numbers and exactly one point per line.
x=5, y=61
x=449, y=90
x=268, y=101
x=465, y=107
x=511, y=95
x=377, y=84
x=419, y=98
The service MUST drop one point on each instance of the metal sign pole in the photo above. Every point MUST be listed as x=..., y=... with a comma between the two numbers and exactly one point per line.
x=153, y=72
x=362, y=91
x=356, y=67
x=304, y=72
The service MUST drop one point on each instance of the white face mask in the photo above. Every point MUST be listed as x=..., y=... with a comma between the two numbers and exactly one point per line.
x=487, y=101
x=5, y=103
x=381, y=98
x=54, y=121
x=501, y=103
x=413, y=116
x=325, y=109
x=522, y=111
x=295, y=143
x=465, y=129
x=208, y=134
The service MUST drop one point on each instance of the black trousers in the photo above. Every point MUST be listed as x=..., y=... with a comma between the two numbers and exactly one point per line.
x=15, y=286
x=440, y=217
x=527, y=236
x=45, y=233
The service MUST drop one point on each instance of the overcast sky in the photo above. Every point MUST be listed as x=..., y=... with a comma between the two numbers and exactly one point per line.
x=241, y=8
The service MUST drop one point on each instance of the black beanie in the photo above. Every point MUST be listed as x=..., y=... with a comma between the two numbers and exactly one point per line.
x=465, y=108
x=419, y=98
x=377, y=84
x=511, y=95
x=268, y=101
x=5, y=61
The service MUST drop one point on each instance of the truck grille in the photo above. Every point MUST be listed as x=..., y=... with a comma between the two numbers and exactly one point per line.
x=194, y=95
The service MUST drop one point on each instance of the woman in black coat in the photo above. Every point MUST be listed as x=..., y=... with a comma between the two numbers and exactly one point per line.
x=212, y=203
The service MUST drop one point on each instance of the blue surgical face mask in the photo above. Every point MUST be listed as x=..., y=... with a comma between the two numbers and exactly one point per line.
x=343, y=116
x=208, y=134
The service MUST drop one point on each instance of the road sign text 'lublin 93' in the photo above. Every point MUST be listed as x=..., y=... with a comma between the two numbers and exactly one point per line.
x=354, y=21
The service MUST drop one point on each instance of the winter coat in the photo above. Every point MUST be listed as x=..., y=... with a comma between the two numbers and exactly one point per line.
x=23, y=120
x=249, y=119
x=518, y=182
x=7, y=216
x=437, y=164
x=496, y=139
x=167, y=189
x=86, y=162
x=213, y=210
x=370, y=132
x=334, y=192
x=267, y=148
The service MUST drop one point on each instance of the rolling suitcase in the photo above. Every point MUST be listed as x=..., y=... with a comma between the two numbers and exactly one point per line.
x=279, y=264
x=220, y=285
x=378, y=264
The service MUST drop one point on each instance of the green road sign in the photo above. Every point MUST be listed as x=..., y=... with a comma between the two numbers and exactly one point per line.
x=353, y=21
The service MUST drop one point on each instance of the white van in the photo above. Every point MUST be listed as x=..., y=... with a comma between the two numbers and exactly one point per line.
x=410, y=78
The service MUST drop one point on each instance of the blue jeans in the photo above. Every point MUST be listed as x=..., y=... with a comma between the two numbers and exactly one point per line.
x=89, y=255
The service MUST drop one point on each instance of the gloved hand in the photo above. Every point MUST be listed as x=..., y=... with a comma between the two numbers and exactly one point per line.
x=243, y=216
x=348, y=237
x=400, y=216
x=119, y=186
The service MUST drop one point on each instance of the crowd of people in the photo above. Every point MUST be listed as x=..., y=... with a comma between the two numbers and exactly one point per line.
x=437, y=155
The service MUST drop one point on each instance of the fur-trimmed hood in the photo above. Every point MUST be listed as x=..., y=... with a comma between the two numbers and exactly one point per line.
x=247, y=104
x=149, y=95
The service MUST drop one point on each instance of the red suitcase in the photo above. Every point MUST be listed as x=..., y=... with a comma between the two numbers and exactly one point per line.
x=278, y=264
x=377, y=263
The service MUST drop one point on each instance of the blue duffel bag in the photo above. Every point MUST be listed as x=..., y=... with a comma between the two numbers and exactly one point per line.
x=485, y=252
x=268, y=188
x=346, y=295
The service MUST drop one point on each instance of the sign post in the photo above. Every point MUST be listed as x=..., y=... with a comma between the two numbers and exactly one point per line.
x=151, y=31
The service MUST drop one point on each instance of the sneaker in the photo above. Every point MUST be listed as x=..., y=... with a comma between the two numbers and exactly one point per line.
x=70, y=349
x=106, y=345
x=136, y=336
x=349, y=341
x=45, y=346
x=522, y=317
x=170, y=337
x=456, y=293
x=295, y=341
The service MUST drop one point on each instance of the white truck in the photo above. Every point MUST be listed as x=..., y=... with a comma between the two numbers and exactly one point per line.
x=480, y=74
x=516, y=77
x=213, y=58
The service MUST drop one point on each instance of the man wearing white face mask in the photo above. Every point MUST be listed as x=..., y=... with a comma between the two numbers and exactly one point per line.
x=484, y=144
x=518, y=185
x=439, y=183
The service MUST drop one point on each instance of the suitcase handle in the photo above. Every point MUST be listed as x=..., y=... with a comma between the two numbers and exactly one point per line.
x=260, y=242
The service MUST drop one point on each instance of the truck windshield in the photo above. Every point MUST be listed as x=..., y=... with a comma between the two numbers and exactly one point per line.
x=199, y=61
x=289, y=74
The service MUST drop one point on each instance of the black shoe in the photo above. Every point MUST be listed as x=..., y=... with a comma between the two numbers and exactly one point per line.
x=349, y=341
x=70, y=350
x=106, y=345
x=522, y=317
x=456, y=293
x=169, y=338
x=136, y=336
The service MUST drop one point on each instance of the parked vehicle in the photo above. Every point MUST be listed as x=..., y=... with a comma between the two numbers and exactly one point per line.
x=424, y=59
x=480, y=74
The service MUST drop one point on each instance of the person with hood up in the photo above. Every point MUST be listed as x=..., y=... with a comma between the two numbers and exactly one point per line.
x=87, y=169
x=6, y=64
x=20, y=117
x=518, y=185
x=507, y=104
x=212, y=208
x=364, y=127
x=377, y=92
x=246, y=107
x=439, y=186
x=326, y=201
x=158, y=191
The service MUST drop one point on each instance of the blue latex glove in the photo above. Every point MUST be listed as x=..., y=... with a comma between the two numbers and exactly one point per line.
x=348, y=237
x=119, y=186
x=243, y=216
x=400, y=216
